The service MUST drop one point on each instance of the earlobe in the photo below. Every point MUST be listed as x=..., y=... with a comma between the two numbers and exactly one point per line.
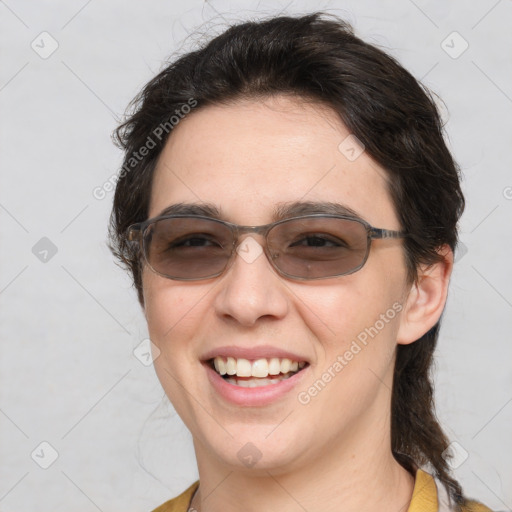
x=426, y=298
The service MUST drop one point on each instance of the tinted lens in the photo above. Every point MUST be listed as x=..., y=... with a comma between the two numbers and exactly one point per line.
x=188, y=248
x=313, y=248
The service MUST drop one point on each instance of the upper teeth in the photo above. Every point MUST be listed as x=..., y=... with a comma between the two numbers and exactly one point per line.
x=258, y=368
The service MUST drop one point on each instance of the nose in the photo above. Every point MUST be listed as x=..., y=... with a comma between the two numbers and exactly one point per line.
x=250, y=288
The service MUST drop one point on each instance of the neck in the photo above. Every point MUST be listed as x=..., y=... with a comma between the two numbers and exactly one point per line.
x=350, y=481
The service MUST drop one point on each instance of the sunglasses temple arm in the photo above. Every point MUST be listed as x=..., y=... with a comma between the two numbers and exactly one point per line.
x=134, y=233
x=386, y=233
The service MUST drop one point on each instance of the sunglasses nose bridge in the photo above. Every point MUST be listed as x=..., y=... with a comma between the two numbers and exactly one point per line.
x=239, y=233
x=247, y=246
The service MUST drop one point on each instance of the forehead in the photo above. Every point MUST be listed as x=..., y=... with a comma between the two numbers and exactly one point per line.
x=249, y=156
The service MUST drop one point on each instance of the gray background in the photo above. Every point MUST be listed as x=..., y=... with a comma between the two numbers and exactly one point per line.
x=70, y=321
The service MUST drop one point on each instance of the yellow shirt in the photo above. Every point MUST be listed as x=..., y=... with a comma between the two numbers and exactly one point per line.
x=426, y=497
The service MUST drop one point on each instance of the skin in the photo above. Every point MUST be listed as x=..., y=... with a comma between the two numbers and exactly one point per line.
x=246, y=157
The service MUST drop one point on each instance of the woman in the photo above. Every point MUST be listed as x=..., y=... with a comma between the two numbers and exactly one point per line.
x=288, y=208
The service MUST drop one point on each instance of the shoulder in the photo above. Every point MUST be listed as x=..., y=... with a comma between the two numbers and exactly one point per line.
x=430, y=495
x=181, y=502
x=475, y=506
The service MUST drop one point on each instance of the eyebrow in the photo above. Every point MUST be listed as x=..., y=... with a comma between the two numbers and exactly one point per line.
x=204, y=209
x=296, y=208
x=281, y=210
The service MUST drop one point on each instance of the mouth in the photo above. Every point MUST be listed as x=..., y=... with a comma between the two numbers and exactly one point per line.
x=260, y=372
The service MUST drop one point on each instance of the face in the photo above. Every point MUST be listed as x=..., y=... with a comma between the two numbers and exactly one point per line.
x=340, y=334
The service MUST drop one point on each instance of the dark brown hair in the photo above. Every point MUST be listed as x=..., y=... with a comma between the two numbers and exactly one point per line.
x=318, y=57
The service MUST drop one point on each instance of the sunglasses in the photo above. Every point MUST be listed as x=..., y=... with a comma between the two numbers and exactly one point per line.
x=317, y=246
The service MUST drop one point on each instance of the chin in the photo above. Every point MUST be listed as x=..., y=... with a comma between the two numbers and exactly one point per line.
x=254, y=449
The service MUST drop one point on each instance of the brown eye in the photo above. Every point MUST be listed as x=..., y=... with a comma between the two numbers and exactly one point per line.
x=319, y=241
x=194, y=241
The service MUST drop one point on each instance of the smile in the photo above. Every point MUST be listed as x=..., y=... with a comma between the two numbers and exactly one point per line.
x=260, y=372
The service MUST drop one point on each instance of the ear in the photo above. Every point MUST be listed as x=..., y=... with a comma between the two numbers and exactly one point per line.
x=426, y=299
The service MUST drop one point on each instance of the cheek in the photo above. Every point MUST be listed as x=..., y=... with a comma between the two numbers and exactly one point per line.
x=355, y=353
x=172, y=310
x=336, y=313
x=356, y=317
x=173, y=315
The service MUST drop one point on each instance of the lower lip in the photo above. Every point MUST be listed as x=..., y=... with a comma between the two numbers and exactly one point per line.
x=252, y=397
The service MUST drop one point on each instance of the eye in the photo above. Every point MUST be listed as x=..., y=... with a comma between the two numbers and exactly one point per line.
x=319, y=240
x=194, y=240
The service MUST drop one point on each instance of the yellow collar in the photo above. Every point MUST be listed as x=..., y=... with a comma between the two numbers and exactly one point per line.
x=424, y=494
